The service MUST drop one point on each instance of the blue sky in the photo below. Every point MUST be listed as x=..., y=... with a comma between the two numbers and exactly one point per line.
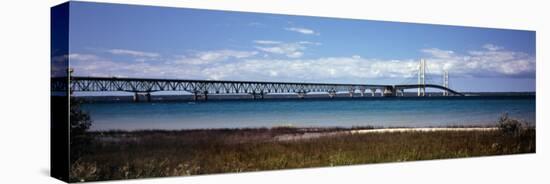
x=159, y=42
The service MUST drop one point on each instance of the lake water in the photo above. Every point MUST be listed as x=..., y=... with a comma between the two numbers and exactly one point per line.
x=387, y=112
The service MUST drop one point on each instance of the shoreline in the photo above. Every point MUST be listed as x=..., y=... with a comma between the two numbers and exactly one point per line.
x=391, y=130
x=317, y=128
x=156, y=153
x=308, y=135
x=283, y=133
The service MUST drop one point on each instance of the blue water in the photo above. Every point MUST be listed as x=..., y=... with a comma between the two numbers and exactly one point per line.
x=387, y=112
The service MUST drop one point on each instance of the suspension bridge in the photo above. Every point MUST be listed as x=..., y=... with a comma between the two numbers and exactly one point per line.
x=201, y=89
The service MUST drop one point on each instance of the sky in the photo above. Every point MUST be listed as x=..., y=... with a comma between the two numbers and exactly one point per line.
x=179, y=43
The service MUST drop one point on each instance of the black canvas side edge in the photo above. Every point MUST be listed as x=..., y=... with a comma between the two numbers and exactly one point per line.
x=59, y=93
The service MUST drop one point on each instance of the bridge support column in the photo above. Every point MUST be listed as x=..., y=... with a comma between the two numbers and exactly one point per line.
x=197, y=95
x=136, y=97
x=373, y=91
x=332, y=94
x=259, y=95
x=351, y=92
x=424, y=91
x=388, y=92
x=302, y=94
x=362, y=92
x=148, y=96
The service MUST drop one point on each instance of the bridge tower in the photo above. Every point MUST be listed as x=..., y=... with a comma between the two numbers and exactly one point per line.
x=446, y=82
x=422, y=77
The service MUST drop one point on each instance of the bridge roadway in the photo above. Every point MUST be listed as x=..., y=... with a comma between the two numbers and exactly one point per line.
x=201, y=88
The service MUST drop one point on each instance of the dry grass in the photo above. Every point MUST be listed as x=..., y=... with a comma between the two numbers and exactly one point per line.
x=142, y=154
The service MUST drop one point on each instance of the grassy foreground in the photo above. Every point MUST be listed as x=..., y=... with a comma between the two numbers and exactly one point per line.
x=142, y=154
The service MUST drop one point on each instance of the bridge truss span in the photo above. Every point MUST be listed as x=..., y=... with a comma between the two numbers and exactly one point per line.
x=201, y=88
x=419, y=86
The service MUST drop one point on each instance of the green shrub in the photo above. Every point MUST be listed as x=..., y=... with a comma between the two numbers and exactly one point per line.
x=510, y=126
x=79, y=138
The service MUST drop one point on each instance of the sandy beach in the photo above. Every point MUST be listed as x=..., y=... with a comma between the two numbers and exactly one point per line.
x=313, y=135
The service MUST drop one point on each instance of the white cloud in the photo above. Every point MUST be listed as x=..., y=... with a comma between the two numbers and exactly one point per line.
x=309, y=43
x=296, y=54
x=102, y=67
x=438, y=52
x=82, y=57
x=291, y=50
x=242, y=65
x=133, y=53
x=256, y=24
x=358, y=69
x=302, y=30
x=343, y=69
x=492, y=47
x=492, y=62
x=266, y=42
x=208, y=57
x=224, y=54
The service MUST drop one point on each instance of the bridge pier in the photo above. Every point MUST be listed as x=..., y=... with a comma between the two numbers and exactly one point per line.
x=422, y=90
x=362, y=92
x=197, y=95
x=259, y=95
x=332, y=94
x=388, y=92
x=137, y=95
x=148, y=97
x=351, y=93
x=302, y=94
x=373, y=91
